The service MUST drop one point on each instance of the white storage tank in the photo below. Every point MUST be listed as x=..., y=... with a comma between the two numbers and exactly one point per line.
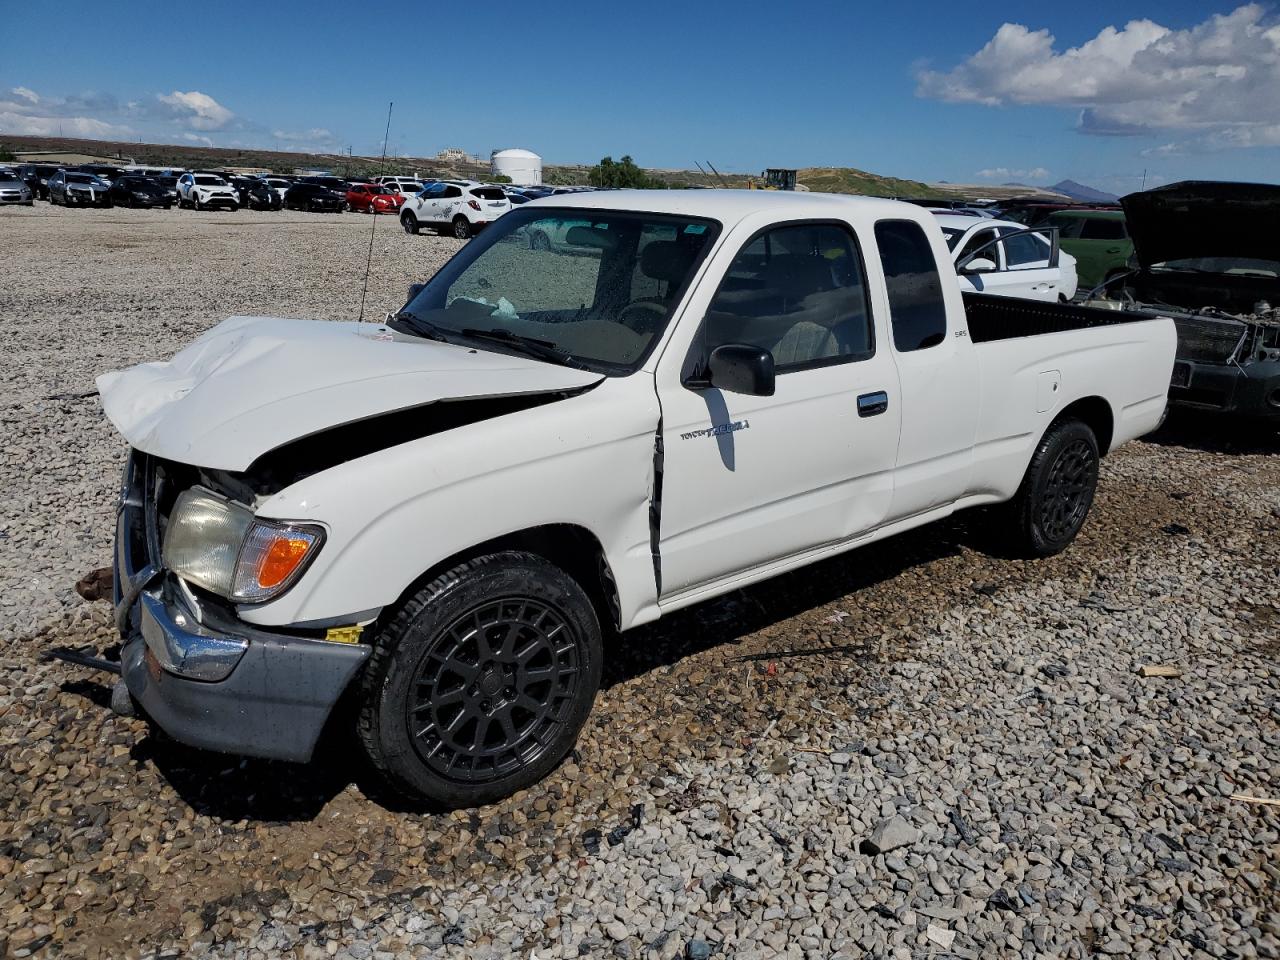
x=524, y=167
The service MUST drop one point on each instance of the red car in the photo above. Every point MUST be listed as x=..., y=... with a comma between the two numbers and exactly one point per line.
x=373, y=198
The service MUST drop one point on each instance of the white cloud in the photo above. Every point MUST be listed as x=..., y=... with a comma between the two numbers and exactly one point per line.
x=1005, y=173
x=314, y=135
x=25, y=113
x=195, y=109
x=1217, y=80
x=196, y=138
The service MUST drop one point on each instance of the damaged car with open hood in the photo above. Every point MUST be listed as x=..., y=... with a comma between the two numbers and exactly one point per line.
x=437, y=519
x=1208, y=256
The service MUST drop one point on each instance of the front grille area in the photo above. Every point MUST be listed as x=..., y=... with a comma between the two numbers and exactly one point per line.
x=1208, y=339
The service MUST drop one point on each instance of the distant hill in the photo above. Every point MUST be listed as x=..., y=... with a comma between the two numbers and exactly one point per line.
x=825, y=179
x=849, y=180
x=1085, y=194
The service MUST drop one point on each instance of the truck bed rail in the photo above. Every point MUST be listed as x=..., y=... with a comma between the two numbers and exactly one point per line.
x=1004, y=318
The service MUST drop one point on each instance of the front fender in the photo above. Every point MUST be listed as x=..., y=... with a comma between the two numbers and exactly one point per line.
x=394, y=514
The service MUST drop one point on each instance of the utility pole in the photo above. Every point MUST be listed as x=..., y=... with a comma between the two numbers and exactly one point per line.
x=1144, y=178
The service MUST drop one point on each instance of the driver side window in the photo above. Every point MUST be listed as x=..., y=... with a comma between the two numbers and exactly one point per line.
x=799, y=292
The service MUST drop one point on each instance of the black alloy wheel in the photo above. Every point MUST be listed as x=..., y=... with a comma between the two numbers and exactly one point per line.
x=461, y=228
x=1068, y=490
x=1057, y=490
x=479, y=683
x=490, y=692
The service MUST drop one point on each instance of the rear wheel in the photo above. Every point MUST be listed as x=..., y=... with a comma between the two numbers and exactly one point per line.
x=409, y=222
x=461, y=228
x=1057, y=491
x=479, y=684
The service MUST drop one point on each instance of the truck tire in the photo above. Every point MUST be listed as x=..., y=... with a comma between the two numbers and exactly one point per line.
x=1056, y=493
x=479, y=683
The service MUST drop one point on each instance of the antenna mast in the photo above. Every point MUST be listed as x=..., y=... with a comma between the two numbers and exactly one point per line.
x=382, y=164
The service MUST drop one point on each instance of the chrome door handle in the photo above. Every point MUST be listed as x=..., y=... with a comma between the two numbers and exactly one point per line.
x=872, y=404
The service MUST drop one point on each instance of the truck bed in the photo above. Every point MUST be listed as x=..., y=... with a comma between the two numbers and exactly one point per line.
x=1006, y=318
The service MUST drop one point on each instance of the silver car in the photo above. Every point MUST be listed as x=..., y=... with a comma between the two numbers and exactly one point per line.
x=13, y=190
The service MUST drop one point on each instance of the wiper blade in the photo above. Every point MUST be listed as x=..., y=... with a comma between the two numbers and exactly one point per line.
x=409, y=323
x=542, y=349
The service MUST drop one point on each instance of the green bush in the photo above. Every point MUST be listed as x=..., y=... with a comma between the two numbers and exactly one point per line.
x=622, y=173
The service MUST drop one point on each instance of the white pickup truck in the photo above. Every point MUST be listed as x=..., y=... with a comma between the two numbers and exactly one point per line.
x=440, y=516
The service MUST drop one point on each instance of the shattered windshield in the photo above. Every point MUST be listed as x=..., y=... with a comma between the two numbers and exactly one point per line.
x=592, y=288
x=1244, y=266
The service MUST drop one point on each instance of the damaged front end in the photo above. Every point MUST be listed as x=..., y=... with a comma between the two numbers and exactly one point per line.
x=203, y=675
x=1208, y=257
x=247, y=411
x=1226, y=363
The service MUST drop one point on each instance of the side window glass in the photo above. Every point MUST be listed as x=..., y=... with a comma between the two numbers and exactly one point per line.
x=977, y=240
x=1100, y=229
x=1068, y=227
x=797, y=291
x=1023, y=250
x=917, y=311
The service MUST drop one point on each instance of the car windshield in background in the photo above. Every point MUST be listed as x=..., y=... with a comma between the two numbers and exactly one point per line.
x=590, y=288
x=1237, y=265
x=953, y=235
x=80, y=178
x=210, y=181
x=488, y=193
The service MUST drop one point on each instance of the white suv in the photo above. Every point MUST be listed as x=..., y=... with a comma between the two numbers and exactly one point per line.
x=459, y=208
x=206, y=190
x=405, y=186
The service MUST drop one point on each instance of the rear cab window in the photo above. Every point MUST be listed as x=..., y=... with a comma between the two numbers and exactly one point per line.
x=917, y=310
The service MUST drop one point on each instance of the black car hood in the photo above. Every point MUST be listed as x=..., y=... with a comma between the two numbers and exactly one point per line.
x=1204, y=218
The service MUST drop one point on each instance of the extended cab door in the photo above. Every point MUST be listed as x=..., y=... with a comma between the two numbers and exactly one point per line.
x=936, y=364
x=746, y=480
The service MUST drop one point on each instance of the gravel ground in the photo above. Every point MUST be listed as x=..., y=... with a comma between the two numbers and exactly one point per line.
x=920, y=749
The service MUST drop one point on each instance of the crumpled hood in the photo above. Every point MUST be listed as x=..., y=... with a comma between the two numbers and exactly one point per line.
x=252, y=384
x=1204, y=218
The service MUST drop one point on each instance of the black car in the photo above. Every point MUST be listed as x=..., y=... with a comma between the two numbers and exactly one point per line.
x=139, y=192
x=102, y=171
x=312, y=197
x=36, y=176
x=169, y=184
x=336, y=184
x=257, y=195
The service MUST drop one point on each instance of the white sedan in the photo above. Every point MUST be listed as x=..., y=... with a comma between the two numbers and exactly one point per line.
x=1005, y=258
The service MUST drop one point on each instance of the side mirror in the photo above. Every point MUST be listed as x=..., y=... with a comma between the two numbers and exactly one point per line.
x=414, y=290
x=742, y=368
x=979, y=265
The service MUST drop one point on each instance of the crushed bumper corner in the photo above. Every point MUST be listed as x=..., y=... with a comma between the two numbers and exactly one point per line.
x=272, y=701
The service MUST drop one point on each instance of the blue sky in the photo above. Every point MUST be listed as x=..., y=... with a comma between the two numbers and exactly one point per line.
x=930, y=91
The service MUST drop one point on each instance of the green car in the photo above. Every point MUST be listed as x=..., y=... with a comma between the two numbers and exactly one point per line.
x=1098, y=239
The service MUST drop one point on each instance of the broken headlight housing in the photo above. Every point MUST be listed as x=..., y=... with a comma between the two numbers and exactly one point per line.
x=219, y=545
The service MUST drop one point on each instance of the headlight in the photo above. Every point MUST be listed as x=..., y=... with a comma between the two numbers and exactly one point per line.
x=220, y=546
